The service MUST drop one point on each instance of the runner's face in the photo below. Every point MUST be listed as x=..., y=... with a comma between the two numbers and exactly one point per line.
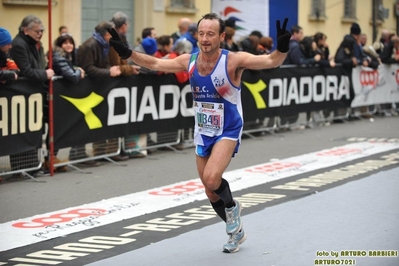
x=208, y=35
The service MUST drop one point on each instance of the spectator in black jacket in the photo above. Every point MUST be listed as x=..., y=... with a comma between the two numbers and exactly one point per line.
x=28, y=53
x=357, y=55
x=64, y=59
x=389, y=54
x=296, y=56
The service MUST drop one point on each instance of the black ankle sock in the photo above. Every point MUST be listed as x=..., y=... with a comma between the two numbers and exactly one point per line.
x=219, y=208
x=224, y=194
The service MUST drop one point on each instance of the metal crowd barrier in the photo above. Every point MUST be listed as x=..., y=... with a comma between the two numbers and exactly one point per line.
x=24, y=164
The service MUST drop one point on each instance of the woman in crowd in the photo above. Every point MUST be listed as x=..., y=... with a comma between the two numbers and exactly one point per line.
x=64, y=59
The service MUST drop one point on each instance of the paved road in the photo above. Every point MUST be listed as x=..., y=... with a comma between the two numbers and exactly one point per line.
x=286, y=223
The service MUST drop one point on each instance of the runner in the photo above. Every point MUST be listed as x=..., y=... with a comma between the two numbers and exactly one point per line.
x=215, y=78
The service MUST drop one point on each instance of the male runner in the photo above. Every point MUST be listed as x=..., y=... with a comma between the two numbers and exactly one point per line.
x=215, y=79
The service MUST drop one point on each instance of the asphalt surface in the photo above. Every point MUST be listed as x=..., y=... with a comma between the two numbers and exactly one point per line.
x=356, y=214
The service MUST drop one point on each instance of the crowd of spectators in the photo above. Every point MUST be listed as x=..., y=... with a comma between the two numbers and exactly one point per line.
x=23, y=56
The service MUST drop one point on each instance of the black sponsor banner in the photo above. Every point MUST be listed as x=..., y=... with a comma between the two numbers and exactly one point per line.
x=286, y=91
x=95, y=110
x=21, y=117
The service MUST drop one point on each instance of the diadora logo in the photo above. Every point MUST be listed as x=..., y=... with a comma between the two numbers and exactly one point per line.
x=85, y=106
x=217, y=82
x=256, y=89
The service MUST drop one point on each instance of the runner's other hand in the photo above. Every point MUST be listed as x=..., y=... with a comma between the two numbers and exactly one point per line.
x=283, y=37
x=120, y=47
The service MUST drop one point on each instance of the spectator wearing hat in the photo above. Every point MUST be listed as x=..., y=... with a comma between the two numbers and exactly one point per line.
x=148, y=45
x=192, y=36
x=358, y=53
x=8, y=68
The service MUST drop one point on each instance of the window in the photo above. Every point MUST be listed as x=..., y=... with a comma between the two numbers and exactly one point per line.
x=350, y=9
x=182, y=4
x=318, y=9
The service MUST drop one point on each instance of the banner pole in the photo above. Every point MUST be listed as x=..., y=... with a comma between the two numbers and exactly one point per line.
x=50, y=94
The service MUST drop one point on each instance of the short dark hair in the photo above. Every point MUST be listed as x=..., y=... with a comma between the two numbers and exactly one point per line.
x=102, y=27
x=61, y=28
x=146, y=32
x=164, y=40
x=296, y=29
x=212, y=16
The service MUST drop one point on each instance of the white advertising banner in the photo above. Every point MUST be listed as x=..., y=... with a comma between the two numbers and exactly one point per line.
x=375, y=86
x=249, y=15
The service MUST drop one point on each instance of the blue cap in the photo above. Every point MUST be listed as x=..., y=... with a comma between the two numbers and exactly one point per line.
x=5, y=37
x=150, y=45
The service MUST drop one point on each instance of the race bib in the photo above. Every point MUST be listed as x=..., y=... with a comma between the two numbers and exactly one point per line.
x=209, y=118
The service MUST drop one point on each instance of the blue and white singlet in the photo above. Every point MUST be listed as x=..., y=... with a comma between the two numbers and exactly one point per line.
x=217, y=106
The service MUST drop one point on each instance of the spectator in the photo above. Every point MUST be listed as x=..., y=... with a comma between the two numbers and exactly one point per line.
x=296, y=55
x=251, y=43
x=389, y=53
x=165, y=44
x=228, y=42
x=351, y=56
x=321, y=48
x=8, y=69
x=183, y=28
x=267, y=45
x=27, y=52
x=93, y=57
x=147, y=46
x=192, y=36
x=345, y=54
x=62, y=30
x=64, y=59
x=182, y=47
x=373, y=57
x=384, y=39
x=93, y=54
x=64, y=64
x=122, y=26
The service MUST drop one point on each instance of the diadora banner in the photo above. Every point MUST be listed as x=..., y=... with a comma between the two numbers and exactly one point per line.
x=96, y=110
x=21, y=117
x=285, y=91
